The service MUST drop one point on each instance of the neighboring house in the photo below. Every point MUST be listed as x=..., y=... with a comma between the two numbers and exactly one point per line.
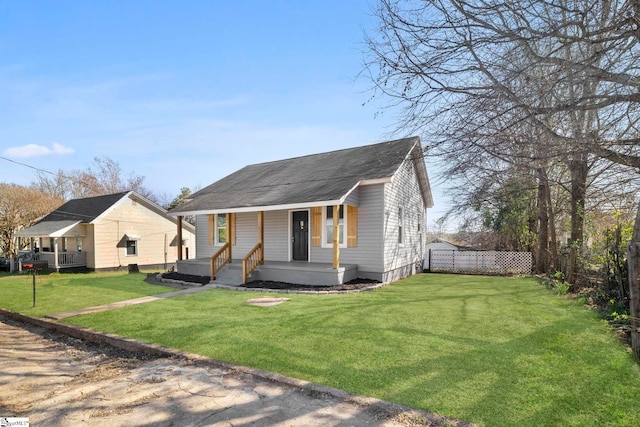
x=319, y=219
x=441, y=245
x=108, y=232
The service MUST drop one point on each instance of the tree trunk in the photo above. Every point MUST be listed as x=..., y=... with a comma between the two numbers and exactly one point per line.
x=542, y=260
x=554, y=265
x=633, y=250
x=579, y=170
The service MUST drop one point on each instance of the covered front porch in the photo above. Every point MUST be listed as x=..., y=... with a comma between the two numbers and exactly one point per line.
x=239, y=255
x=303, y=273
x=60, y=243
x=59, y=260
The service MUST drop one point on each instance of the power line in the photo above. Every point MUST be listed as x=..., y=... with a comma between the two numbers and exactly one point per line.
x=28, y=166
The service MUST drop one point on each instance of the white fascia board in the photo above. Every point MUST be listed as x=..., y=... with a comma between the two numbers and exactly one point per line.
x=385, y=180
x=111, y=208
x=343, y=198
x=292, y=206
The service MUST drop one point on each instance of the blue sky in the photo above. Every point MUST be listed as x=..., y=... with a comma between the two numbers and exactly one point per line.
x=183, y=93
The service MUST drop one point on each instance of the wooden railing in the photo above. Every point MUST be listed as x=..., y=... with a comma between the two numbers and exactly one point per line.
x=65, y=259
x=254, y=258
x=220, y=259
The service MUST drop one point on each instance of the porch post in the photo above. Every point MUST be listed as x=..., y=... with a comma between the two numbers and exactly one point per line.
x=261, y=234
x=336, y=236
x=228, y=221
x=55, y=254
x=179, y=238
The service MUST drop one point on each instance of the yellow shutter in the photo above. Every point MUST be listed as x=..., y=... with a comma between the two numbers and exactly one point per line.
x=316, y=226
x=352, y=226
x=211, y=229
x=231, y=226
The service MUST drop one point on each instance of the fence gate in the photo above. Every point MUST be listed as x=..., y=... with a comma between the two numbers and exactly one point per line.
x=488, y=262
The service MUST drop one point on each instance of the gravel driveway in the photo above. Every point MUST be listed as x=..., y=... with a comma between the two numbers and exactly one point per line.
x=56, y=380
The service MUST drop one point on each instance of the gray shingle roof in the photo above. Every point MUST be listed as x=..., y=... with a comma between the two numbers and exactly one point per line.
x=47, y=228
x=83, y=210
x=314, y=178
x=86, y=210
x=73, y=212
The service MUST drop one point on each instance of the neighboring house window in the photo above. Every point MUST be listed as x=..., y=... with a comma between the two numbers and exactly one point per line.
x=400, y=225
x=131, y=247
x=79, y=244
x=328, y=229
x=221, y=229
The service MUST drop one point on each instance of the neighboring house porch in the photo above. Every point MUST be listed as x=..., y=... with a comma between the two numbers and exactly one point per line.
x=59, y=243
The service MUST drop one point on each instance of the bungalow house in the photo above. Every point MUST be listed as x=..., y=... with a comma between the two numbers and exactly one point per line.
x=320, y=219
x=108, y=232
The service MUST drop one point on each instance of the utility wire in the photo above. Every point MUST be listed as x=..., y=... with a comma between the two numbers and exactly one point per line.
x=28, y=166
x=62, y=175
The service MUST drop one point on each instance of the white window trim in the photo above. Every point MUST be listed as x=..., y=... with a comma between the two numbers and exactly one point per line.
x=344, y=228
x=126, y=247
x=216, y=240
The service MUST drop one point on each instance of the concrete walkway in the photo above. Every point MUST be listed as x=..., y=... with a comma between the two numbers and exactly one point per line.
x=125, y=303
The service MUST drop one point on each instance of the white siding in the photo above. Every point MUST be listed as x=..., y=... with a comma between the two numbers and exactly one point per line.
x=130, y=217
x=246, y=234
x=275, y=235
x=202, y=238
x=353, y=198
x=401, y=259
x=88, y=246
x=368, y=254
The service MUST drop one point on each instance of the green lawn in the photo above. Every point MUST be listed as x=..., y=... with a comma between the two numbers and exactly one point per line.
x=495, y=351
x=56, y=293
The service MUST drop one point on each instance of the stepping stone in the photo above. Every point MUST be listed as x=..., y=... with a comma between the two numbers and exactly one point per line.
x=266, y=301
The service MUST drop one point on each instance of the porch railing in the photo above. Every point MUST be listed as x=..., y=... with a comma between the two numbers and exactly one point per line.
x=220, y=259
x=65, y=259
x=254, y=258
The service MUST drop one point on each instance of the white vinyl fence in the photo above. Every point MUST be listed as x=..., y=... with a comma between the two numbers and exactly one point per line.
x=486, y=262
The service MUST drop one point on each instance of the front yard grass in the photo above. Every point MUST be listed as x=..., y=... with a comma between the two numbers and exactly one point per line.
x=491, y=350
x=56, y=292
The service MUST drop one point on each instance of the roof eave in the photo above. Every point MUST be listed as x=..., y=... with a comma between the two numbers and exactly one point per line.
x=423, y=176
x=57, y=233
x=241, y=209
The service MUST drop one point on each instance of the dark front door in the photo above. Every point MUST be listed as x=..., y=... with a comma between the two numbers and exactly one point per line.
x=300, y=236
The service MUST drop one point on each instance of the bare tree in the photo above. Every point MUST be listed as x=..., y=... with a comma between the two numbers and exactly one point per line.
x=104, y=176
x=567, y=68
x=581, y=57
x=20, y=207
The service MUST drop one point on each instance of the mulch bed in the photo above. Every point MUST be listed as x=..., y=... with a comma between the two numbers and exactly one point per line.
x=203, y=280
x=265, y=284
x=349, y=286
